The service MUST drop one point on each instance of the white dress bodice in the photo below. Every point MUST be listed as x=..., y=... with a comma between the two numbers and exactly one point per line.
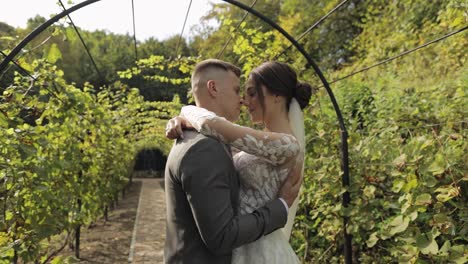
x=259, y=181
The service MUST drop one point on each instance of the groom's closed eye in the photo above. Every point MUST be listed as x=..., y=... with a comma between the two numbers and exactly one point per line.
x=238, y=90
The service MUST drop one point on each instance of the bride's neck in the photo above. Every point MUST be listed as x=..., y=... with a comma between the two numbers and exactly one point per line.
x=278, y=124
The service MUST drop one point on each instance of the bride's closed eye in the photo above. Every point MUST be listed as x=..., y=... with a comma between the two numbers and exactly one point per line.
x=251, y=92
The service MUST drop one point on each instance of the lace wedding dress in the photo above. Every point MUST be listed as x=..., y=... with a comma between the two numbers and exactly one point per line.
x=263, y=163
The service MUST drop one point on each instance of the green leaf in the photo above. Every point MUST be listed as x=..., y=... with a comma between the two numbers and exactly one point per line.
x=400, y=161
x=445, y=248
x=413, y=183
x=8, y=38
x=447, y=193
x=426, y=144
x=440, y=218
x=71, y=34
x=408, y=254
x=53, y=54
x=405, y=205
x=413, y=215
x=426, y=243
x=8, y=215
x=369, y=191
x=457, y=254
x=423, y=199
x=438, y=165
x=23, y=63
x=397, y=185
x=372, y=240
x=430, y=182
x=456, y=22
x=3, y=121
x=399, y=224
x=4, y=239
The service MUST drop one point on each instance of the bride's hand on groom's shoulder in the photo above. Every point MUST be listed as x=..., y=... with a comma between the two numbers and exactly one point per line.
x=291, y=186
x=175, y=127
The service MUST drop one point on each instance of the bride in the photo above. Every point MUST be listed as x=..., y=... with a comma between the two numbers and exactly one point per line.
x=274, y=98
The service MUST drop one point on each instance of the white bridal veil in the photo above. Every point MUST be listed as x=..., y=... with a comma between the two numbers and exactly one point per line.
x=296, y=121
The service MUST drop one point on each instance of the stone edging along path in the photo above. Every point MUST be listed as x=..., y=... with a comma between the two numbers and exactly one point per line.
x=150, y=224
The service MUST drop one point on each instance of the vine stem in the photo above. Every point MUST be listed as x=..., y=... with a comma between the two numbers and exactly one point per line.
x=325, y=252
x=58, y=250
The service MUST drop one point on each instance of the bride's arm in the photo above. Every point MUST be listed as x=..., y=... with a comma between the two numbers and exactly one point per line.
x=277, y=148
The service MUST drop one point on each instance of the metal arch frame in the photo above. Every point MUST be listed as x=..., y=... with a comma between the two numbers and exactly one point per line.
x=344, y=133
x=294, y=42
x=39, y=30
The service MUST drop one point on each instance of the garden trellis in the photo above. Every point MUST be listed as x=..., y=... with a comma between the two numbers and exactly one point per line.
x=294, y=42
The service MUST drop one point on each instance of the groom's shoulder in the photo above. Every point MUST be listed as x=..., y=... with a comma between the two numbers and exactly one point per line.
x=194, y=141
x=192, y=137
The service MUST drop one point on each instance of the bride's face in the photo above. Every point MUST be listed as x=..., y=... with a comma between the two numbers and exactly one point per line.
x=252, y=101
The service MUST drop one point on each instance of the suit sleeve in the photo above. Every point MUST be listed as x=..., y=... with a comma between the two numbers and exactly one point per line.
x=205, y=173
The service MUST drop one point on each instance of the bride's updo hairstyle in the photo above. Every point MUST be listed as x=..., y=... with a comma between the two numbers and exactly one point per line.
x=280, y=79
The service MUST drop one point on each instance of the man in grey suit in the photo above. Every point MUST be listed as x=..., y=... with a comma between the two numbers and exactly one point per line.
x=202, y=186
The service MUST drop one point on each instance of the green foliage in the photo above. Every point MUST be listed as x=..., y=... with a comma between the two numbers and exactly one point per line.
x=68, y=150
x=53, y=54
x=330, y=42
x=407, y=144
x=406, y=122
x=159, y=78
x=408, y=183
x=60, y=45
x=210, y=41
x=60, y=144
x=150, y=122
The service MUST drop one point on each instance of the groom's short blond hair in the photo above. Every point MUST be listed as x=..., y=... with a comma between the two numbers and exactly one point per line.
x=202, y=71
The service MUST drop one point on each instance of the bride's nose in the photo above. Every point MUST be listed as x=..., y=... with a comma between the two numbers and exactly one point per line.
x=244, y=101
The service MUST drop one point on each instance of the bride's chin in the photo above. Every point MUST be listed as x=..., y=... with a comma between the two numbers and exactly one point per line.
x=255, y=121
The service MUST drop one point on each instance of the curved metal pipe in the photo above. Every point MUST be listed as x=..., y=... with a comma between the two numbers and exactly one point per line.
x=39, y=30
x=344, y=133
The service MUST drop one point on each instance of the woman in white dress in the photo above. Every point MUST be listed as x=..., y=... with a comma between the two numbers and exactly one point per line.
x=274, y=98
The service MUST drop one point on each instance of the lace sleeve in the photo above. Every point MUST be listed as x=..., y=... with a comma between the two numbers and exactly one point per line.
x=276, y=148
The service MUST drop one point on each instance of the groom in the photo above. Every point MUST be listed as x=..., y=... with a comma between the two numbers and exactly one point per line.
x=202, y=186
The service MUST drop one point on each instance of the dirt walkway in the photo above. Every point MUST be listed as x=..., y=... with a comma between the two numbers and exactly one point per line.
x=135, y=230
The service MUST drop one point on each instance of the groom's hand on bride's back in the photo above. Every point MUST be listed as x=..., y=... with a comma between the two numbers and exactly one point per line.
x=291, y=186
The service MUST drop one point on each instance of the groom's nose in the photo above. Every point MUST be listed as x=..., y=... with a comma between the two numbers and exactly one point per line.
x=244, y=102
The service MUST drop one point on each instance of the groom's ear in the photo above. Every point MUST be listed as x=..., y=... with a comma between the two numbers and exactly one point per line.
x=212, y=88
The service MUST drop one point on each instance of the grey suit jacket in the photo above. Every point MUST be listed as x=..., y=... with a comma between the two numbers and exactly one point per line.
x=202, y=194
